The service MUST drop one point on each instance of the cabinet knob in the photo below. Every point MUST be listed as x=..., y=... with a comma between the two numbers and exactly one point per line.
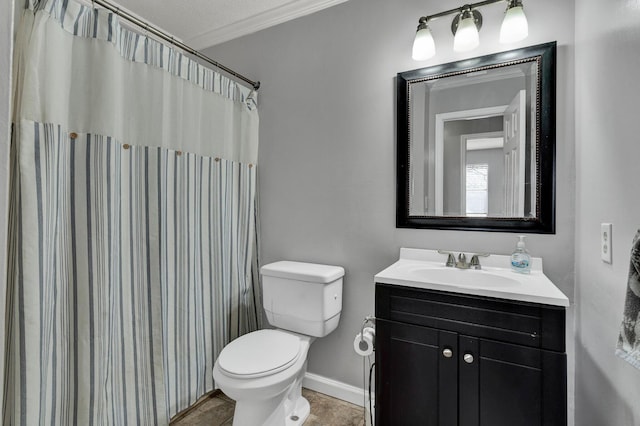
x=448, y=353
x=468, y=358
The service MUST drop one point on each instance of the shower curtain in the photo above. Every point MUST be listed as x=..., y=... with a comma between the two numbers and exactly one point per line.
x=132, y=240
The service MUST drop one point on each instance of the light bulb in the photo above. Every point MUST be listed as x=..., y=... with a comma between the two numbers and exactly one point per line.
x=514, y=26
x=423, y=45
x=467, y=37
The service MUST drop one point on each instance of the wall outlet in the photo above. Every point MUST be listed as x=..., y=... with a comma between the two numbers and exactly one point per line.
x=605, y=242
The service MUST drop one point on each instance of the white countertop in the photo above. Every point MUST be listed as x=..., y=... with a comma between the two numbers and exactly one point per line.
x=426, y=269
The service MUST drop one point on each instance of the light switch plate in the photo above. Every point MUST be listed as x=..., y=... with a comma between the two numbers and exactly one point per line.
x=605, y=242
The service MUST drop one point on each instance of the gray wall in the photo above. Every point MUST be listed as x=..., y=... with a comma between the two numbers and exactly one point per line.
x=327, y=146
x=607, y=190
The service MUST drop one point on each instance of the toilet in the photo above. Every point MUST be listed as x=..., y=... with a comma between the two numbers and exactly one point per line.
x=263, y=370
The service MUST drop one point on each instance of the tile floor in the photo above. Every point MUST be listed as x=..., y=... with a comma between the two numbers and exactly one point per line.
x=217, y=410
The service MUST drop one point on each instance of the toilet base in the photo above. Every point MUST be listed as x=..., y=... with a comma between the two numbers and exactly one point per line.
x=299, y=413
x=287, y=413
x=289, y=408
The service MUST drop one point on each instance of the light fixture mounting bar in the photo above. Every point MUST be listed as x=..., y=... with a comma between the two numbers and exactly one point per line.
x=458, y=10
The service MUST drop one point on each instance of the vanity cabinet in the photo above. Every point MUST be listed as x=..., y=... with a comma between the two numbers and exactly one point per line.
x=450, y=359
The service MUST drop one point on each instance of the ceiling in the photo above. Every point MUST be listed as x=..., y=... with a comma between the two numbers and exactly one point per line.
x=204, y=23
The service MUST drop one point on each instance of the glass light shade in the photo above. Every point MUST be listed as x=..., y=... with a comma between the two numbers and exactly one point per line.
x=423, y=45
x=514, y=26
x=467, y=37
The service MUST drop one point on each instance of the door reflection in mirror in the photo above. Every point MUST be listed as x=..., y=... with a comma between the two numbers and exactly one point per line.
x=446, y=112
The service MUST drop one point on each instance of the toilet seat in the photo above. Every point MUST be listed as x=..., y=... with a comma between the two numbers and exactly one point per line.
x=260, y=353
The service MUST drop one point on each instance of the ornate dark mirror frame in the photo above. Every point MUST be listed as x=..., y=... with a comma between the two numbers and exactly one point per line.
x=544, y=222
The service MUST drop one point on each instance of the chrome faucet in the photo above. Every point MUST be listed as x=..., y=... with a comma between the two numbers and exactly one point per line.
x=462, y=263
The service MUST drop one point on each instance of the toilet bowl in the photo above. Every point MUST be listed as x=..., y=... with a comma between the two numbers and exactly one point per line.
x=265, y=379
x=263, y=370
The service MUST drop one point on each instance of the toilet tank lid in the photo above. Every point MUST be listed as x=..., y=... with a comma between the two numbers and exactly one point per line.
x=309, y=272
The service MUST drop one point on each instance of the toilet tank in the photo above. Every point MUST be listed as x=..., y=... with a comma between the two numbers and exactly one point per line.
x=305, y=298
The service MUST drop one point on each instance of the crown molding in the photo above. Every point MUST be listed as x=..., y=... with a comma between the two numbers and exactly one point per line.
x=259, y=22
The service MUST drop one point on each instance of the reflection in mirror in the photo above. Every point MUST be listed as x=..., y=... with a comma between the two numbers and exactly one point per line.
x=467, y=123
x=476, y=143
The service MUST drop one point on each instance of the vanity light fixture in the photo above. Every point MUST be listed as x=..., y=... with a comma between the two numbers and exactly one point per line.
x=466, y=26
x=514, y=26
x=423, y=46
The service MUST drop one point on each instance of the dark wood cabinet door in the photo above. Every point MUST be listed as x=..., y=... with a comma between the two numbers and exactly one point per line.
x=416, y=378
x=504, y=384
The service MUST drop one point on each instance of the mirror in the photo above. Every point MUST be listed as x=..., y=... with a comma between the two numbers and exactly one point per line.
x=476, y=143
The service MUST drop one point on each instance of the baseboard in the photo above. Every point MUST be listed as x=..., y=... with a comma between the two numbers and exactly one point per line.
x=334, y=388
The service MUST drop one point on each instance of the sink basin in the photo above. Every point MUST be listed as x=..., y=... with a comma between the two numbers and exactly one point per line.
x=462, y=277
x=422, y=268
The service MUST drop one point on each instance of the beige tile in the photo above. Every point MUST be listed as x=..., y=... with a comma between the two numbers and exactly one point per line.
x=310, y=395
x=217, y=415
x=186, y=420
x=225, y=398
x=212, y=403
x=181, y=421
x=325, y=411
x=210, y=410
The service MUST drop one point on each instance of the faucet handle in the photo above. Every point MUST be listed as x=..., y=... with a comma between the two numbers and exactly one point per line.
x=451, y=260
x=482, y=254
x=475, y=262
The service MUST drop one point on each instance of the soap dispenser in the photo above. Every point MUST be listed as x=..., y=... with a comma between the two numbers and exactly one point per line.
x=520, y=259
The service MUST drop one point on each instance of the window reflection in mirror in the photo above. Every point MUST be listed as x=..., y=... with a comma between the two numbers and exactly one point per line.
x=476, y=190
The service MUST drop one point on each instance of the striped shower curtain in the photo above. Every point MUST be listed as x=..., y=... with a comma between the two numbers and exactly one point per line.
x=132, y=237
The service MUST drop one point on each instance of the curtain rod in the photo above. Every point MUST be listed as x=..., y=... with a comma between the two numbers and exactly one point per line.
x=170, y=39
